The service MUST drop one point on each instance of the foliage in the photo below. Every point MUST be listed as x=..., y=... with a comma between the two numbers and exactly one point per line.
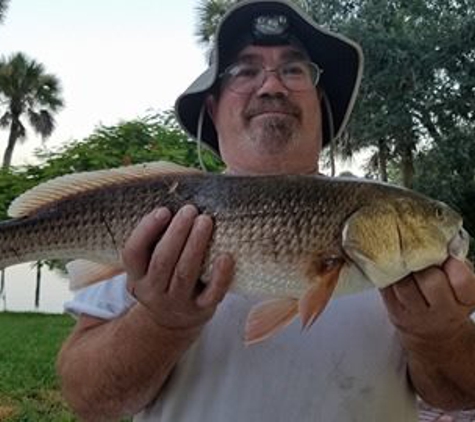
x=151, y=138
x=27, y=89
x=419, y=77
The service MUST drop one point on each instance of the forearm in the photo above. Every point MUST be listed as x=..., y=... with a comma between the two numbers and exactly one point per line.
x=117, y=368
x=443, y=372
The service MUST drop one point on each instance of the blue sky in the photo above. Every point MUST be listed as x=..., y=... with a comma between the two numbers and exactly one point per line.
x=117, y=59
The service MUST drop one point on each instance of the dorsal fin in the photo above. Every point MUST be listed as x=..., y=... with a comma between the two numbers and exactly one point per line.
x=72, y=184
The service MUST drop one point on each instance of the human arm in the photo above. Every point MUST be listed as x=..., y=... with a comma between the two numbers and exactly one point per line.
x=113, y=368
x=431, y=310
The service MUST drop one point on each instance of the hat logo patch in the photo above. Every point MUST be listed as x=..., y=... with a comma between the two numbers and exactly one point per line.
x=271, y=24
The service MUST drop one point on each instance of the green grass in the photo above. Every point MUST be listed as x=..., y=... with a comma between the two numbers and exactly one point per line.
x=29, y=343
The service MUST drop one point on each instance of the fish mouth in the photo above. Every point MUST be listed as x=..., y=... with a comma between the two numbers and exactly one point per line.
x=459, y=245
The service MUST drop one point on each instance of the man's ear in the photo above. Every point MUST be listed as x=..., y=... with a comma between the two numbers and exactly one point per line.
x=211, y=105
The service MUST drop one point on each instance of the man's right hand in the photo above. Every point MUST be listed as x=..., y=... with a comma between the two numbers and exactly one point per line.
x=164, y=258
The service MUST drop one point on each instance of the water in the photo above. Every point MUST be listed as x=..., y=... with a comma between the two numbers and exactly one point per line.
x=20, y=285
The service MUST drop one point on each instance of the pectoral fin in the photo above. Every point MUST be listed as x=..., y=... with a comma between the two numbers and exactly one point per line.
x=268, y=317
x=83, y=273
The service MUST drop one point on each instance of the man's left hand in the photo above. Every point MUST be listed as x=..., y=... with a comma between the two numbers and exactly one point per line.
x=433, y=304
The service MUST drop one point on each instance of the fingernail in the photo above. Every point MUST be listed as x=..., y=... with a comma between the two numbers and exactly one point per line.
x=203, y=221
x=162, y=213
x=189, y=211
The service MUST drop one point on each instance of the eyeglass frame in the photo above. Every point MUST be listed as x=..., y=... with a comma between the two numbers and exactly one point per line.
x=276, y=70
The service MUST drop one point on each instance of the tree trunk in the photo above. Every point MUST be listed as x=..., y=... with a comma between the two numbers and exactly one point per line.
x=39, y=265
x=407, y=167
x=12, y=138
x=332, y=158
x=383, y=160
x=3, y=293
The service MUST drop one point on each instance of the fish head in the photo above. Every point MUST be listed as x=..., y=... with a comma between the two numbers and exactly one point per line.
x=429, y=232
x=403, y=232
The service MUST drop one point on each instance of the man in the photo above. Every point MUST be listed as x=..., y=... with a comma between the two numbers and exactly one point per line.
x=278, y=88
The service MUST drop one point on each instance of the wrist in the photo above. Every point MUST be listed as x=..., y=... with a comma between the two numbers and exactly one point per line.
x=441, y=348
x=145, y=318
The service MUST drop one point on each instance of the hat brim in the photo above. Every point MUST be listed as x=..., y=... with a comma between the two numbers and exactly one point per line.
x=340, y=58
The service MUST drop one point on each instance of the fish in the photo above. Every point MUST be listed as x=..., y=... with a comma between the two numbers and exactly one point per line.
x=297, y=240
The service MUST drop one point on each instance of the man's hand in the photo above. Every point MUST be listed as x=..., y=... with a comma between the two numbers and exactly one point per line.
x=431, y=310
x=164, y=258
x=433, y=304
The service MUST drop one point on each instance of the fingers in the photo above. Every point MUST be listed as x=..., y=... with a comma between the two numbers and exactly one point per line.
x=462, y=280
x=221, y=277
x=434, y=286
x=139, y=246
x=168, y=250
x=189, y=265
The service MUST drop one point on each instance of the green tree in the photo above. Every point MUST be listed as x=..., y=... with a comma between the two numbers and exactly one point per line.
x=27, y=89
x=418, y=83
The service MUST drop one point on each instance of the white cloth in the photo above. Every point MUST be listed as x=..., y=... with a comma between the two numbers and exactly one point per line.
x=349, y=367
x=106, y=300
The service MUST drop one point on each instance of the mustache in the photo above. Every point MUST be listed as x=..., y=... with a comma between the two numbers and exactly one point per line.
x=271, y=104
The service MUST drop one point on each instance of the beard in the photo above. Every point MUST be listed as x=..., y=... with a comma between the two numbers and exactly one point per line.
x=273, y=132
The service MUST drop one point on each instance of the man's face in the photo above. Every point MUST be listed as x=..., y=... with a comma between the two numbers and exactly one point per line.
x=271, y=130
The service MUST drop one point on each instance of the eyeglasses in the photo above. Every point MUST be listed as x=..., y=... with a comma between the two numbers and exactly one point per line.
x=296, y=75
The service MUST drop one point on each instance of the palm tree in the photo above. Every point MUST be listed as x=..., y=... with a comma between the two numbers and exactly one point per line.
x=25, y=88
x=3, y=8
x=209, y=13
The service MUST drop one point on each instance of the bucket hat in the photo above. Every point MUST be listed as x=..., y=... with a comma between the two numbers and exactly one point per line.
x=276, y=22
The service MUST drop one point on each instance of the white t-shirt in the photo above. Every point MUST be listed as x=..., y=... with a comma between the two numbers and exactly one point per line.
x=349, y=367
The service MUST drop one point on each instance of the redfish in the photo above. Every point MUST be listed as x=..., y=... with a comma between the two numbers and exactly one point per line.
x=297, y=241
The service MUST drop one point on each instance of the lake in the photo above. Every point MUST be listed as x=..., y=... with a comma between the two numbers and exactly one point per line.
x=20, y=284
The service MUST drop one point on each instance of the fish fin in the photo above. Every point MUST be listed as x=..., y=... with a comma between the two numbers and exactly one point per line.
x=266, y=318
x=351, y=280
x=83, y=273
x=313, y=302
x=72, y=184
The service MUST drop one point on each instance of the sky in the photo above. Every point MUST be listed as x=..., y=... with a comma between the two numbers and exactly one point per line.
x=116, y=59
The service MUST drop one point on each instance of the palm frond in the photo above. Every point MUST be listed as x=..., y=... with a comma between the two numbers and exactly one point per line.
x=6, y=119
x=42, y=122
x=3, y=9
x=209, y=13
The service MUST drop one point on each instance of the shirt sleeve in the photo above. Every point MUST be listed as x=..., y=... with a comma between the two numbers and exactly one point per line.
x=107, y=299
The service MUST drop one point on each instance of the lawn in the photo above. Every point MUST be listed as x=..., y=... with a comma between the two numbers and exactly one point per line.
x=29, y=388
